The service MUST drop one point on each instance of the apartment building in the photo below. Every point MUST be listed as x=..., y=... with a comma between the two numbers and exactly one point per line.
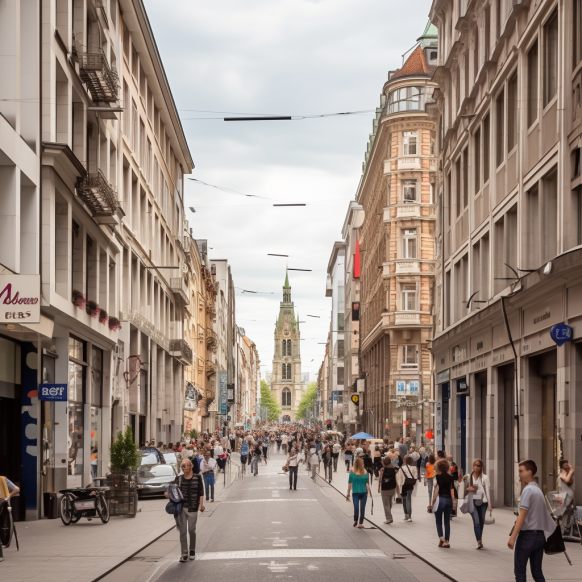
x=509, y=235
x=93, y=159
x=248, y=381
x=335, y=288
x=397, y=246
x=352, y=269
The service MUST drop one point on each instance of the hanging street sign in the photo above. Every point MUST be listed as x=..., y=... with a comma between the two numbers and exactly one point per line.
x=561, y=334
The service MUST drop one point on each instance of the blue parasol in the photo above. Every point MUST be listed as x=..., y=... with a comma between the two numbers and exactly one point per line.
x=361, y=436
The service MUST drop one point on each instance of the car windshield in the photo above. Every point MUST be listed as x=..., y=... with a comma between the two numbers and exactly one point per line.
x=171, y=458
x=149, y=458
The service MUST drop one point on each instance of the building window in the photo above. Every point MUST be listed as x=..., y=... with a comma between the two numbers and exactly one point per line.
x=410, y=357
x=486, y=146
x=408, y=297
x=577, y=48
x=409, y=243
x=409, y=143
x=340, y=348
x=512, y=112
x=286, y=348
x=286, y=398
x=551, y=58
x=532, y=84
x=500, y=129
x=409, y=191
x=477, y=159
x=286, y=371
x=340, y=375
x=407, y=99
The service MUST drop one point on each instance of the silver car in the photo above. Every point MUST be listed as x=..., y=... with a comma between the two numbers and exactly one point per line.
x=154, y=474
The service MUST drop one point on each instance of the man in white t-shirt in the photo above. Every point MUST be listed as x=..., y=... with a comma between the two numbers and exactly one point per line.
x=335, y=453
x=534, y=519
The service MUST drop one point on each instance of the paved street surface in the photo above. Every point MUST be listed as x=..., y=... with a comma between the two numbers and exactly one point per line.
x=258, y=529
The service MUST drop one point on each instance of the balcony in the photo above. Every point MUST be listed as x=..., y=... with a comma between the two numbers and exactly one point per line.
x=99, y=196
x=210, y=368
x=102, y=80
x=407, y=267
x=407, y=318
x=180, y=349
x=211, y=339
x=179, y=289
x=409, y=163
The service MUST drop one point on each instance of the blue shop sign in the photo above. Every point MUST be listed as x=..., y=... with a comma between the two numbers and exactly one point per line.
x=53, y=392
x=462, y=385
x=561, y=334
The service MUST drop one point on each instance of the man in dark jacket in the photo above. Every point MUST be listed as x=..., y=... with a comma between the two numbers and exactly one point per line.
x=192, y=489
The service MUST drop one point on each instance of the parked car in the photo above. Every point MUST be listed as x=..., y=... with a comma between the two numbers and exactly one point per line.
x=154, y=473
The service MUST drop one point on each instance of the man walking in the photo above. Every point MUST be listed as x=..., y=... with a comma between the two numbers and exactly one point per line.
x=314, y=460
x=207, y=466
x=193, y=492
x=337, y=448
x=257, y=452
x=528, y=536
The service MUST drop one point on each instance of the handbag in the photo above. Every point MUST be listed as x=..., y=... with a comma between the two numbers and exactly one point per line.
x=409, y=483
x=464, y=506
x=285, y=467
x=489, y=520
x=555, y=543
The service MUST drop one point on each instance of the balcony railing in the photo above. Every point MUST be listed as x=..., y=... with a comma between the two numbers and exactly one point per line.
x=180, y=349
x=179, y=289
x=407, y=318
x=101, y=79
x=97, y=193
x=409, y=163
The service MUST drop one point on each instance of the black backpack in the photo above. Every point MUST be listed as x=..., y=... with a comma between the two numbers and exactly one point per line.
x=388, y=478
x=409, y=480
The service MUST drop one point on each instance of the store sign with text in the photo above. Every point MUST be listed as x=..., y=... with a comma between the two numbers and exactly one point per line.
x=20, y=298
x=222, y=394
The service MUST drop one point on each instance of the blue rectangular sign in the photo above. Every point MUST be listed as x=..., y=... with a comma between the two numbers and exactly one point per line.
x=53, y=392
x=223, y=394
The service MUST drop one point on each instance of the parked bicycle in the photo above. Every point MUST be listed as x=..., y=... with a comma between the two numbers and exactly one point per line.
x=7, y=529
x=88, y=503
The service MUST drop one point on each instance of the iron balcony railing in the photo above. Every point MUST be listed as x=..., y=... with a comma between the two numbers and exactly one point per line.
x=97, y=193
x=101, y=79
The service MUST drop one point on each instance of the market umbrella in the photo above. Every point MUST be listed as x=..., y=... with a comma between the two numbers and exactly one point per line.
x=361, y=436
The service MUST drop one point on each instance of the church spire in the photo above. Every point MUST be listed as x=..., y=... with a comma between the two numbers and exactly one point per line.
x=286, y=289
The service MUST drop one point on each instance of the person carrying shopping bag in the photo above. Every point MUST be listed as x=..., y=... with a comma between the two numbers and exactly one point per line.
x=476, y=489
x=442, y=501
x=358, y=485
x=408, y=478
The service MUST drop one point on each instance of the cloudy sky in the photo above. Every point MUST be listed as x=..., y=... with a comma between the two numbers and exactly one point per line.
x=283, y=57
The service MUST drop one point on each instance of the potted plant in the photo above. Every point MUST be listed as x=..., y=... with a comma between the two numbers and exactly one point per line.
x=114, y=324
x=78, y=299
x=103, y=317
x=124, y=457
x=92, y=308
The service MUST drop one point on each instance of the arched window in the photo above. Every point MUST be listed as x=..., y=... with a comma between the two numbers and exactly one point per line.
x=286, y=347
x=288, y=371
x=284, y=371
x=286, y=398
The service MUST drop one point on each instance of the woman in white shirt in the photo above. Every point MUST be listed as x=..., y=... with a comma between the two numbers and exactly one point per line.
x=476, y=484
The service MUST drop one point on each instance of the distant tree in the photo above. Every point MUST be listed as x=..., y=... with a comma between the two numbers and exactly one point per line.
x=308, y=400
x=269, y=402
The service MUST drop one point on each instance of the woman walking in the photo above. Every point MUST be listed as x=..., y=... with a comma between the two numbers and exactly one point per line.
x=408, y=477
x=429, y=476
x=358, y=482
x=348, y=457
x=477, y=486
x=443, y=496
x=387, y=486
x=293, y=464
x=327, y=459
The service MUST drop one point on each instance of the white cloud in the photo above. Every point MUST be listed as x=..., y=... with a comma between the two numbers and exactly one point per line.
x=281, y=57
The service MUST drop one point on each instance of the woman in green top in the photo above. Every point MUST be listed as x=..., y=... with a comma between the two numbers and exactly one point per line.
x=358, y=481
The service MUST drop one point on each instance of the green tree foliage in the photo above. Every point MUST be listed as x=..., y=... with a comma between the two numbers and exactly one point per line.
x=308, y=400
x=124, y=453
x=268, y=401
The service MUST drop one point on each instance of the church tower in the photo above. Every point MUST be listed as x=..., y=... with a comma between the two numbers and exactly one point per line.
x=286, y=379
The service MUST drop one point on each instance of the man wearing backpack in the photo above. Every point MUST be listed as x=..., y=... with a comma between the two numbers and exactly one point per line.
x=192, y=489
x=387, y=486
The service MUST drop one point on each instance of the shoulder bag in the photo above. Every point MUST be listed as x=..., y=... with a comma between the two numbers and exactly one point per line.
x=409, y=482
x=465, y=505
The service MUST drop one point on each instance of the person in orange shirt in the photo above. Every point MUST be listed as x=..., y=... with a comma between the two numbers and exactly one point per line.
x=429, y=477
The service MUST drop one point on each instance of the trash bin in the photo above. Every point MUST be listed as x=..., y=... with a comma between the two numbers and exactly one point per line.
x=51, y=505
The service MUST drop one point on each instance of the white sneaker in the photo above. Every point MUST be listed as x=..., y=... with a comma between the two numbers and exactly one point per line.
x=388, y=521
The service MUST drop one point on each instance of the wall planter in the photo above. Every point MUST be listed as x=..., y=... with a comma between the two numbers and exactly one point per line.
x=78, y=299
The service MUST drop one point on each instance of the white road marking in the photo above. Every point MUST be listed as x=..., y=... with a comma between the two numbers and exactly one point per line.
x=270, y=488
x=301, y=553
x=261, y=500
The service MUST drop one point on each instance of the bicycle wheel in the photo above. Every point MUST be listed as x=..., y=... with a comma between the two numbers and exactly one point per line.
x=67, y=509
x=102, y=508
x=6, y=527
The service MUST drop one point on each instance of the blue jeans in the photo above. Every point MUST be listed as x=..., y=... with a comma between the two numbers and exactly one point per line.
x=478, y=516
x=529, y=546
x=255, y=465
x=359, y=500
x=209, y=485
x=445, y=507
x=407, y=502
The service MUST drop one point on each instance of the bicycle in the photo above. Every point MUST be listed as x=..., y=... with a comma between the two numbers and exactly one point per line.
x=7, y=528
x=565, y=515
x=88, y=503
